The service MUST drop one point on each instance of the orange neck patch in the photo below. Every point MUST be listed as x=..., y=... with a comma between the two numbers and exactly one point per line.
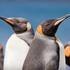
x=67, y=51
x=39, y=29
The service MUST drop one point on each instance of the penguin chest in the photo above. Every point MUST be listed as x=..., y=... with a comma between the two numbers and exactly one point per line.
x=51, y=56
x=15, y=53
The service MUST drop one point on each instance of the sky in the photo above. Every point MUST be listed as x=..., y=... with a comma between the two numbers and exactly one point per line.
x=35, y=11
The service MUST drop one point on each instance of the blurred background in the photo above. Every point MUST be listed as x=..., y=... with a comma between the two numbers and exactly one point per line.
x=35, y=11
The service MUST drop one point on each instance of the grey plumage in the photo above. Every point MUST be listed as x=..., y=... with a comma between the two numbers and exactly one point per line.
x=40, y=56
x=45, y=52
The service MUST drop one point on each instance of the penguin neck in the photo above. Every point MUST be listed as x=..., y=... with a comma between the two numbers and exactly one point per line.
x=37, y=34
x=27, y=37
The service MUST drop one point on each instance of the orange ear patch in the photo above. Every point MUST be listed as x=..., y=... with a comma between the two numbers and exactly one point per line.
x=67, y=51
x=39, y=29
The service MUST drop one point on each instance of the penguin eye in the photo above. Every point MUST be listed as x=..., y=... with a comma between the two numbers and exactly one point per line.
x=16, y=21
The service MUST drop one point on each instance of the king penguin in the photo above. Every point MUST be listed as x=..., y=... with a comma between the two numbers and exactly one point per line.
x=47, y=51
x=67, y=53
x=18, y=44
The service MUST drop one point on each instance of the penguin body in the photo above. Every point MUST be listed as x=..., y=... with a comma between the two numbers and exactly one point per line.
x=18, y=44
x=41, y=55
x=46, y=52
x=15, y=53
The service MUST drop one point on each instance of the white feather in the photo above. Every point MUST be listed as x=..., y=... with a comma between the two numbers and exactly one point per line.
x=62, y=65
x=15, y=53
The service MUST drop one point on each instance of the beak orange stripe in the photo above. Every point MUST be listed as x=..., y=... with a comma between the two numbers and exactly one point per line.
x=9, y=21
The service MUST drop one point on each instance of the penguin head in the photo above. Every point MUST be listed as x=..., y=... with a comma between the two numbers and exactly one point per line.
x=50, y=27
x=67, y=53
x=18, y=24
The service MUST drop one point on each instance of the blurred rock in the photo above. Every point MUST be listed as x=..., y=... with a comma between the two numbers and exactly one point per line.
x=1, y=57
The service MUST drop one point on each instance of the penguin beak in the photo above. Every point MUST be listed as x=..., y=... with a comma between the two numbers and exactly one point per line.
x=61, y=19
x=7, y=20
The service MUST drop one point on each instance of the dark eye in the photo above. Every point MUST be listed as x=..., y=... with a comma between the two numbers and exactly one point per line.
x=17, y=21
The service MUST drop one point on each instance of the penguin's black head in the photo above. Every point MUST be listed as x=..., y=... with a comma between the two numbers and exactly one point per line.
x=50, y=27
x=18, y=24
